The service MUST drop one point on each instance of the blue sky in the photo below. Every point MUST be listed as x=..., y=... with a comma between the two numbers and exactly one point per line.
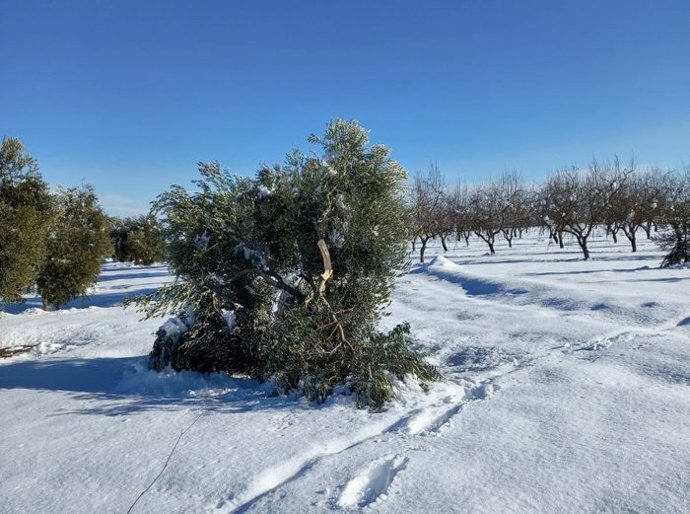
x=129, y=95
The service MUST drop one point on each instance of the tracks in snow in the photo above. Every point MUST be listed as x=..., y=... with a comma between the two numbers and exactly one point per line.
x=274, y=477
x=429, y=420
x=522, y=293
x=371, y=483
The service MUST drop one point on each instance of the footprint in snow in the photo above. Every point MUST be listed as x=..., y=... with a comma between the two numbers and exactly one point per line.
x=430, y=420
x=684, y=322
x=371, y=483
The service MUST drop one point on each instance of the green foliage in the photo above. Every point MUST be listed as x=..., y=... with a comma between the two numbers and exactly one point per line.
x=138, y=239
x=304, y=256
x=25, y=210
x=77, y=242
x=677, y=242
x=675, y=234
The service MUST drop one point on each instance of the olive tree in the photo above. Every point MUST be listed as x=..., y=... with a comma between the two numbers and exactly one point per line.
x=76, y=244
x=25, y=211
x=286, y=275
x=675, y=233
x=138, y=239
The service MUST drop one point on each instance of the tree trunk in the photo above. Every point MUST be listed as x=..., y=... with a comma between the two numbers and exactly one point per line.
x=582, y=241
x=647, y=227
x=489, y=239
x=508, y=235
x=414, y=244
x=615, y=237
x=424, y=240
x=560, y=239
x=46, y=305
x=443, y=243
x=630, y=232
x=467, y=238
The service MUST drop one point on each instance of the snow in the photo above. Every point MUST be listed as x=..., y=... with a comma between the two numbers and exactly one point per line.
x=173, y=328
x=252, y=255
x=566, y=390
x=263, y=192
x=202, y=240
x=230, y=317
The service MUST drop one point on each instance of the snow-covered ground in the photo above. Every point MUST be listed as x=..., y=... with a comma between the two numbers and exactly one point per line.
x=566, y=390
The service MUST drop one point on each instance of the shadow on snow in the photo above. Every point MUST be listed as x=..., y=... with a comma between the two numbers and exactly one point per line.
x=112, y=296
x=129, y=273
x=106, y=299
x=117, y=386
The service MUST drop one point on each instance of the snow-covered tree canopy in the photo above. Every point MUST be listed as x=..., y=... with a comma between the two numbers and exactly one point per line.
x=305, y=255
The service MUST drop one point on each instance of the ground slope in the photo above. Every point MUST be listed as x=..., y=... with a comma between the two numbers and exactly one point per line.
x=566, y=390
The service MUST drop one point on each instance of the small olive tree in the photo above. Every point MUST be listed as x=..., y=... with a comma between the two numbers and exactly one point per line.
x=674, y=236
x=138, y=239
x=25, y=211
x=76, y=244
x=285, y=276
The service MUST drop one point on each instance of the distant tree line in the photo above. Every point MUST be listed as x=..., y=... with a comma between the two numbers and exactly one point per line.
x=55, y=243
x=285, y=276
x=569, y=203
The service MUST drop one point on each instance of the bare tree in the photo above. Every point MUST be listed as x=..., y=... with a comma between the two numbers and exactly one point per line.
x=488, y=212
x=636, y=204
x=427, y=206
x=557, y=202
x=581, y=201
x=655, y=192
x=515, y=200
x=460, y=209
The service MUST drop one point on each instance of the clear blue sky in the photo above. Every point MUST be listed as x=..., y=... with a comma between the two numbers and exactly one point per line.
x=128, y=95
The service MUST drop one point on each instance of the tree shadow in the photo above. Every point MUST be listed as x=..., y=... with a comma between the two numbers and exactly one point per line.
x=121, y=386
x=585, y=272
x=108, y=299
x=111, y=297
x=482, y=260
x=109, y=274
x=543, y=257
x=665, y=279
x=631, y=257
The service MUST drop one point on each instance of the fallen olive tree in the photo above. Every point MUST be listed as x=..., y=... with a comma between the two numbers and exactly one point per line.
x=285, y=276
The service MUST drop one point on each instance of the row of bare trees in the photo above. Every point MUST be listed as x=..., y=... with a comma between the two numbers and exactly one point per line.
x=570, y=202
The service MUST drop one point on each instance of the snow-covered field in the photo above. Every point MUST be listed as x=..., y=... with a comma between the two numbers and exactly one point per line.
x=567, y=389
